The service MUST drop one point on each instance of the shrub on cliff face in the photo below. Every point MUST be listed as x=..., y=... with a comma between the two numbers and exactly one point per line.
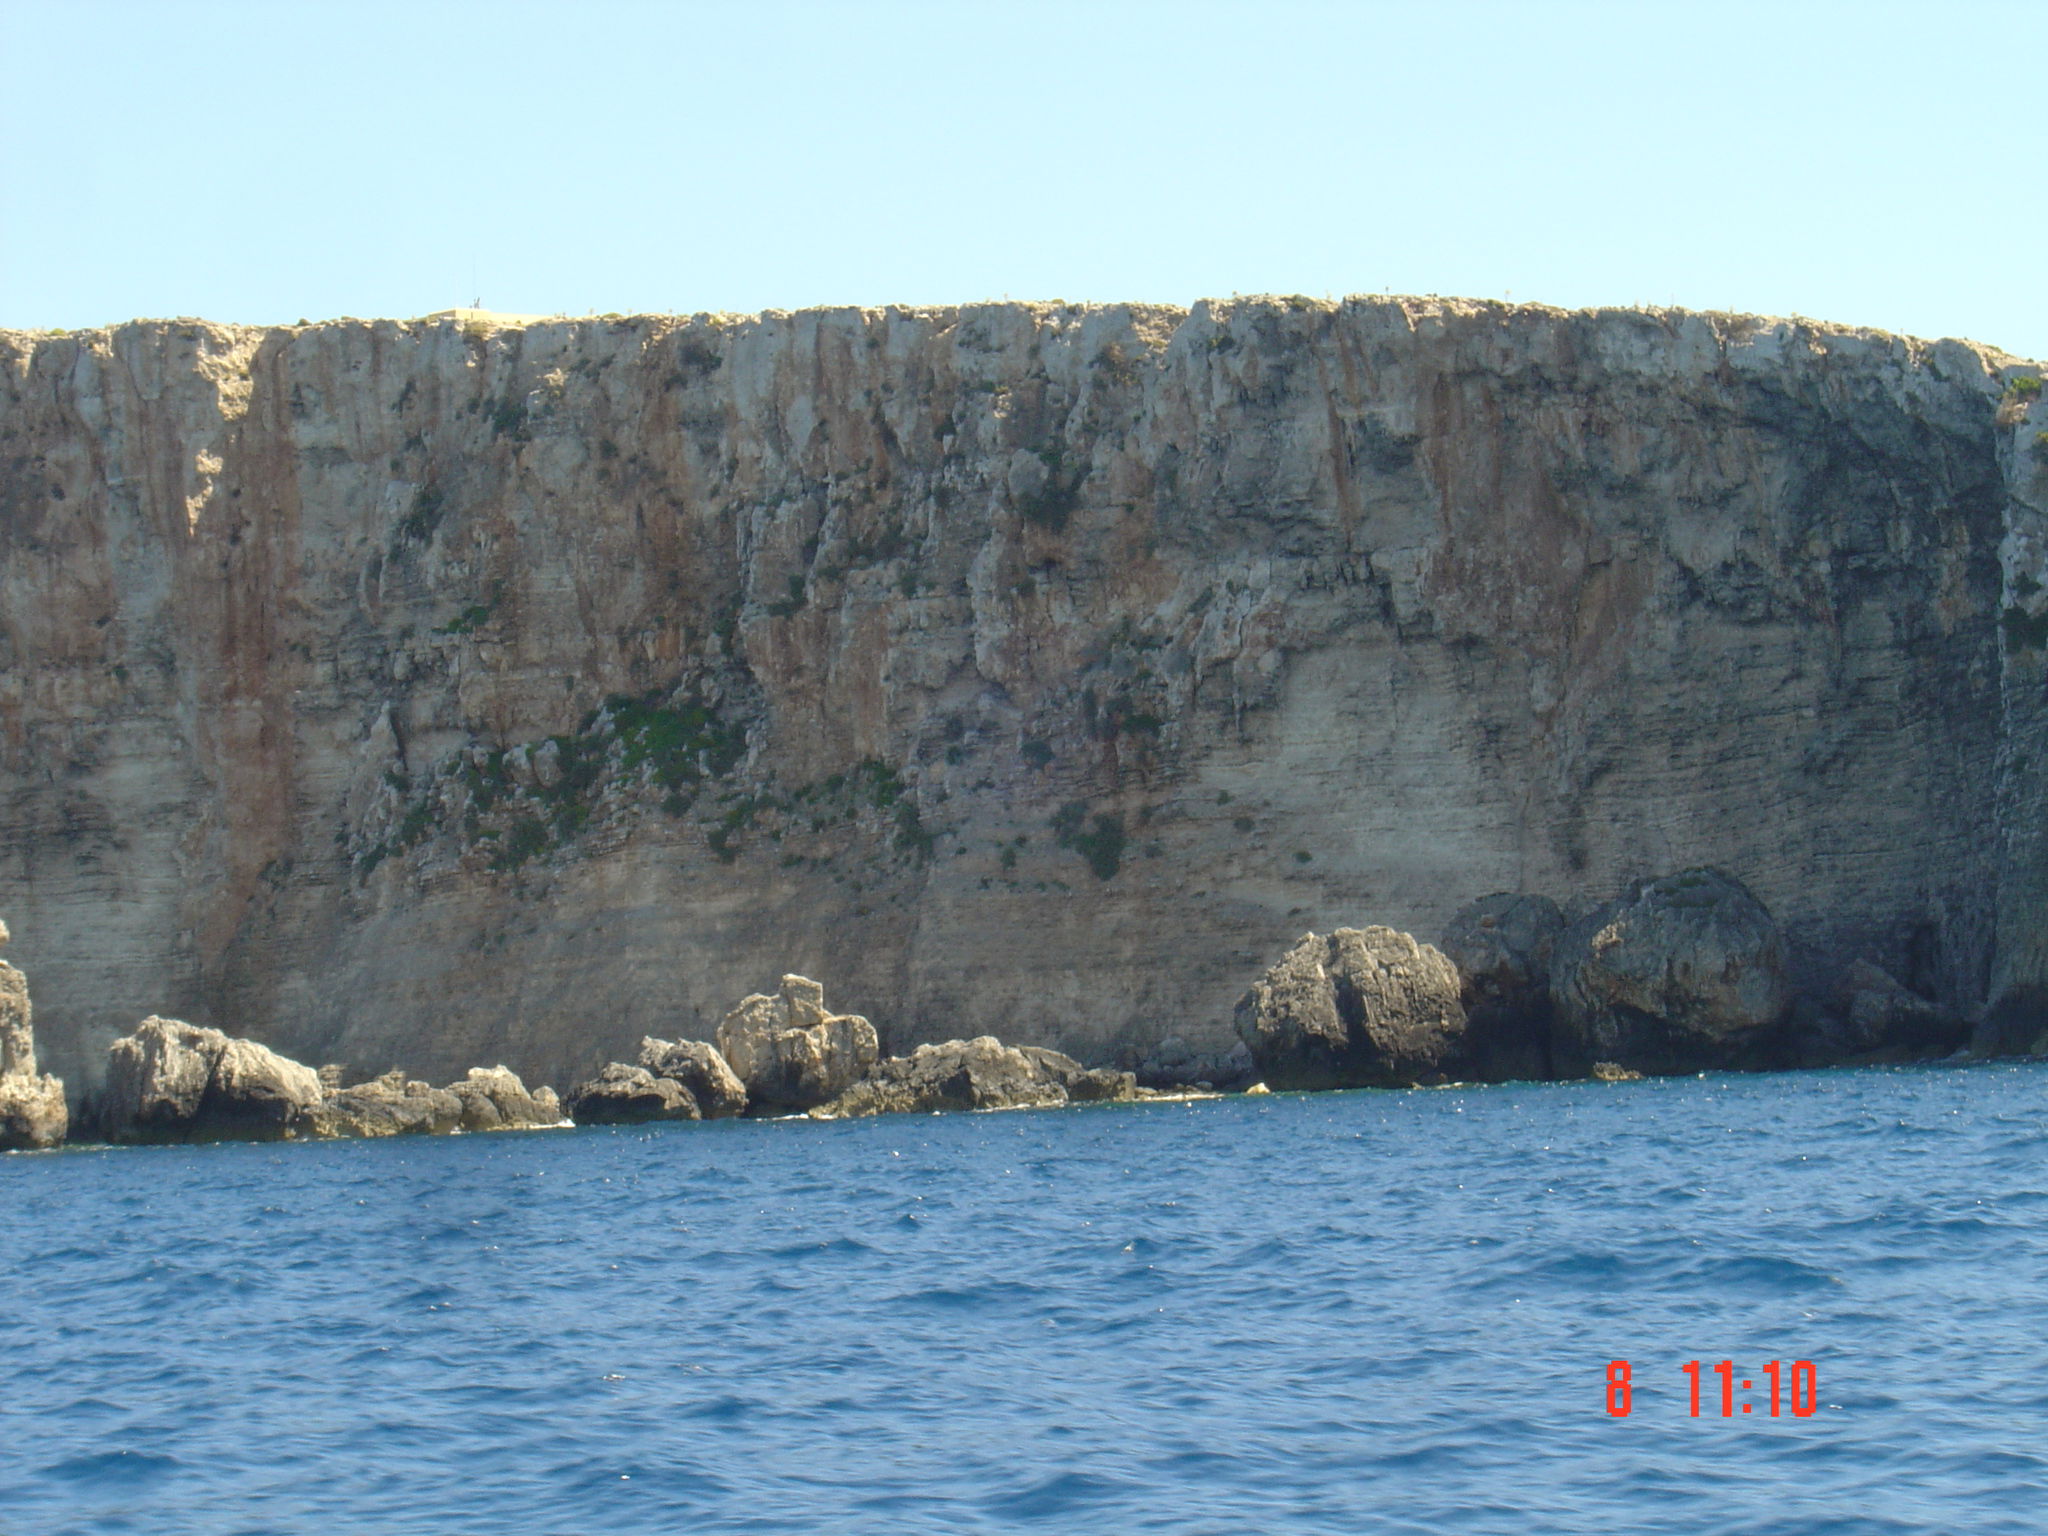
x=1115, y=365
x=1101, y=845
x=683, y=742
x=2020, y=392
x=423, y=517
x=509, y=419
x=2024, y=631
x=529, y=835
x=1048, y=496
x=525, y=798
x=911, y=835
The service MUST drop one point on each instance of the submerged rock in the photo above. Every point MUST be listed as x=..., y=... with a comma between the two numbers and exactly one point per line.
x=1678, y=974
x=699, y=1068
x=790, y=1053
x=1363, y=1007
x=173, y=1081
x=1501, y=945
x=32, y=1112
x=981, y=1073
x=626, y=1095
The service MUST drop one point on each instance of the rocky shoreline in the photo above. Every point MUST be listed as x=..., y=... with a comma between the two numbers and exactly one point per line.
x=1677, y=974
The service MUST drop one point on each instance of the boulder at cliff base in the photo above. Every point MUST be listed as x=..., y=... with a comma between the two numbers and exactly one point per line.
x=1363, y=1007
x=1682, y=973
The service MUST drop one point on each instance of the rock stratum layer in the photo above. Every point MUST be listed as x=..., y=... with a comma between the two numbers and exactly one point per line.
x=415, y=694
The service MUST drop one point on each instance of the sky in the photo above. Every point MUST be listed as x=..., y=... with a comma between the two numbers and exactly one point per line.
x=1874, y=164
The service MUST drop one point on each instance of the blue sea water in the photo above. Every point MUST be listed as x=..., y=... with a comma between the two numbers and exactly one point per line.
x=1359, y=1312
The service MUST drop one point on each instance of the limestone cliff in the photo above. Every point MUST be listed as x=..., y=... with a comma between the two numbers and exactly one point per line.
x=418, y=694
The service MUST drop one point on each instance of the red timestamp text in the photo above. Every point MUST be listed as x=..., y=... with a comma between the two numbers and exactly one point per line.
x=1795, y=1387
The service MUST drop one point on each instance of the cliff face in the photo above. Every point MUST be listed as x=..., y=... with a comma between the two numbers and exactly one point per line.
x=445, y=692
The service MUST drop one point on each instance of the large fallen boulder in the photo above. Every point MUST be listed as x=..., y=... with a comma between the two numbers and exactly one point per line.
x=626, y=1095
x=790, y=1053
x=982, y=1073
x=1682, y=973
x=1501, y=945
x=173, y=1081
x=1364, y=1007
x=698, y=1067
x=32, y=1112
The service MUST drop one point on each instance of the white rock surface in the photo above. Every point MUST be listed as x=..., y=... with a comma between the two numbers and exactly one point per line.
x=32, y=1108
x=790, y=1052
x=173, y=1081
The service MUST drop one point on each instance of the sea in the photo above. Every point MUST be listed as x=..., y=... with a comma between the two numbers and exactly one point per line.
x=1345, y=1312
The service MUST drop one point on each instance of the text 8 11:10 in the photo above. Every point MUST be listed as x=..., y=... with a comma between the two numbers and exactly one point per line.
x=1797, y=1389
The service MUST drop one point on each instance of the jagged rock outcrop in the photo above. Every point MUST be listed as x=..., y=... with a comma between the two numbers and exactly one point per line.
x=428, y=690
x=1678, y=974
x=173, y=1081
x=789, y=1052
x=1082, y=1085
x=1501, y=946
x=487, y=1099
x=32, y=1109
x=33, y=1113
x=982, y=1073
x=389, y=1105
x=712, y=1084
x=1364, y=1007
x=628, y=1095
x=494, y=1099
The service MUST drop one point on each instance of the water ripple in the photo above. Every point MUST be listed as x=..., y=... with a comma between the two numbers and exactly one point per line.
x=1390, y=1312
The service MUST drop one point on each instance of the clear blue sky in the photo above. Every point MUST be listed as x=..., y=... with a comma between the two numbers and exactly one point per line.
x=1874, y=163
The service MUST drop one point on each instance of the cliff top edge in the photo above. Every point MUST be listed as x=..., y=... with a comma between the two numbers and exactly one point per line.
x=480, y=324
